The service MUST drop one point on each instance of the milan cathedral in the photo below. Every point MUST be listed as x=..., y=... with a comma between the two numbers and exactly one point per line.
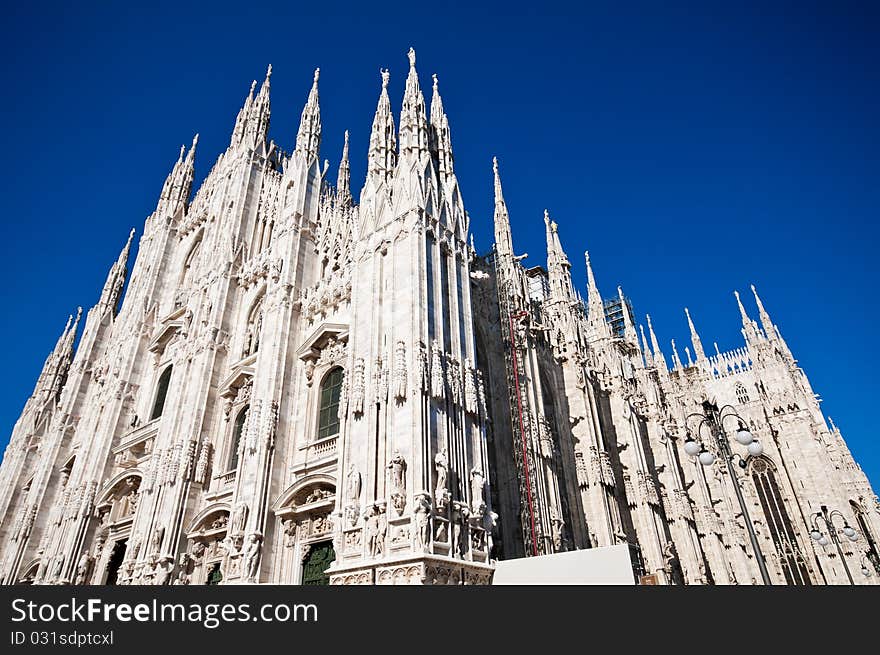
x=302, y=387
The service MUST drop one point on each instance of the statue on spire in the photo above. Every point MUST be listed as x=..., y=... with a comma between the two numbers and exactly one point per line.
x=412, y=58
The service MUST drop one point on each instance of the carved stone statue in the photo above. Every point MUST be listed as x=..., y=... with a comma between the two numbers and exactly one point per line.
x=557, y=530
x=239, y=518
x=163, y=570
x=251, y=556
x=83, y=568
x=59, y=566
x=397, y=468
x=183, y=569
x=352, y=484
x=156, y=541
x=375, y=527
x=478, y=481
x=421, y=519
x=460, y=515
x=441, y=465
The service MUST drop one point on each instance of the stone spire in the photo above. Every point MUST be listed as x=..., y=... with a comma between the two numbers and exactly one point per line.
x=649, y=360
x=70, y=337
x=766, y=323
x=343, y=178
x=242, y=118
x=593, y=295
x=676, y=360
x=178, y=184
x=503, y=238
x=413, y=119
x=558, y=266
x=749, y=330
x=595, y=308
x=308, y=137
x=116, y=278
x=441, y=141
x=382, y=156
x=257, y=110
x=54, y=373
x=63, y=338
x=695, y=338
x=629, y=330
x=659, y=359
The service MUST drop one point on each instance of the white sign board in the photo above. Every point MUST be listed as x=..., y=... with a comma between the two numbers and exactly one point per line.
x=595, y=566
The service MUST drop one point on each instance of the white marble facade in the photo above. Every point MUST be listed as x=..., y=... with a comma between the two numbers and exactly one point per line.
x=300, y=388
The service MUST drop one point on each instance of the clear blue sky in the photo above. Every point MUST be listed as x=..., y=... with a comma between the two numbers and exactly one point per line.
x=692, y=150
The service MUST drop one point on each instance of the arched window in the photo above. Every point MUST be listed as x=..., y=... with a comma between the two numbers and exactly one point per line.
x=328, y=407
x=778, y=522
x=237, y=430
x=161, y=393
x=742, y=396
x=252, y=332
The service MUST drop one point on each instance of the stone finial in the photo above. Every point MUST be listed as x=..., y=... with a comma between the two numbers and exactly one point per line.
x=385, y=76
x=316, y=76
x=412, y=58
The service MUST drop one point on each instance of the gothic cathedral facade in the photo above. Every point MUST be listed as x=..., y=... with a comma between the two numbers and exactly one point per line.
x=300, y=388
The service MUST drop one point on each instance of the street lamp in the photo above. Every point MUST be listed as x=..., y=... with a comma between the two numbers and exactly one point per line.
x=822, y=539
x=714, y=419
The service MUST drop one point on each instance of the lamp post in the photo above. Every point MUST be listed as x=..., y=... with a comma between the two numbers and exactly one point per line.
x=714, y=419
x=827, y=517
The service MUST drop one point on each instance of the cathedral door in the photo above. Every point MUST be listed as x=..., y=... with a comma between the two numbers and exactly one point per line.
x=317, y=562
x=115, y=561
x=214, y=575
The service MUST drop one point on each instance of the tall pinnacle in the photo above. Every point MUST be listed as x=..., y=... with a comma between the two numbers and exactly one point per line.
x=242, y=119
x=749, y=331
x=629, y=331
x=413, y=119
x=63, y=337
x=178, y=184
x=71, y=335
x=343, y=178
x=191, y=155
x=695, y=338
x=257, y=110
x=441, y=142
x=598, y=326
x=659, y=359
x=308, y=137
x=382, y=156
x=116, y=277
x=558, y=266
x=766, y=323
x=503, y=238
x=593, y=295
x=649, y=360
x=676, y=360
